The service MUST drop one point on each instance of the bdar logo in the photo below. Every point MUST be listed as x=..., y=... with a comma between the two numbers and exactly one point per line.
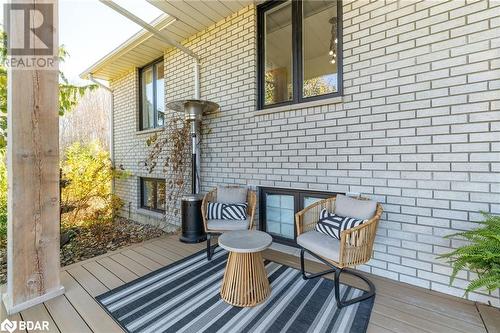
x=9, y=326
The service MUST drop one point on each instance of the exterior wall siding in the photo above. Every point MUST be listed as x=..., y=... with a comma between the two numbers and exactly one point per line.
x=418, y=127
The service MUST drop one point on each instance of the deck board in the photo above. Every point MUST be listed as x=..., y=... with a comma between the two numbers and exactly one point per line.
x=162, y=260
x=491, y=317
x=97, y=319
x=145, y=261
x=391, y=303
x=131, y=264
x=122, y=272
x=398, y=307
x=109, y=279
x=88, y=281
x=39, y=313
x=373, y=328
x=65, y=315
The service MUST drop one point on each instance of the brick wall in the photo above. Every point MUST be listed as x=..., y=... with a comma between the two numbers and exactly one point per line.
x=417, y=129
x=131, y=151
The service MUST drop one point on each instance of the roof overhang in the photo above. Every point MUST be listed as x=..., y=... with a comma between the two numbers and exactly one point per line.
x=181, y=19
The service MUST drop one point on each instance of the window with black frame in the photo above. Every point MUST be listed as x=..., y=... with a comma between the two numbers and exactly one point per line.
x=153, y=194
x=278, y=207
x=300, y=48
x=152, y=92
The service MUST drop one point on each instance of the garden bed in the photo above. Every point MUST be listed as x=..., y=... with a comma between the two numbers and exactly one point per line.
x=89, y=241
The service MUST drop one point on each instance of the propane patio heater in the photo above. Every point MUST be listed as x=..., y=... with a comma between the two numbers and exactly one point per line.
x=192, y=224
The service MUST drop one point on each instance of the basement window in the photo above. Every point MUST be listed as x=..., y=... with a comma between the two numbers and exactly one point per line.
x=153, y=194
x=152, y=96
x=278, y=207
x=299, y=51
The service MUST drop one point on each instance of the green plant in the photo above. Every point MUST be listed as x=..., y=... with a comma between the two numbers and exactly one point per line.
x=481, y=255
x=87, y=196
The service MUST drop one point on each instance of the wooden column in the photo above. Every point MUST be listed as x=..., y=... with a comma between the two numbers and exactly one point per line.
x=33, y=264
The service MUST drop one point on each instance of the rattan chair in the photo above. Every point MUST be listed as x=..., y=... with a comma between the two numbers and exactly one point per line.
x=354, y=247
x=212, y=197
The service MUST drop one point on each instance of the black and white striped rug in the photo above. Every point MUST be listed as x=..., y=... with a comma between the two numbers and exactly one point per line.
x=184, y=297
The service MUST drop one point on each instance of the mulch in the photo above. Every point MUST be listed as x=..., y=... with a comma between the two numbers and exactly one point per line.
x=89, y=241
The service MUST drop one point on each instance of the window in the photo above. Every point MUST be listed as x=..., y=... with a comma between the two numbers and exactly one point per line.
x=278, y=207
x=279, y=215
x=153, y=194
x=300, y=48
x=152, y=92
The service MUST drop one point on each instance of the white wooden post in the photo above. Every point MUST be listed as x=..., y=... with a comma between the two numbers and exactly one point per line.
x=33, y=265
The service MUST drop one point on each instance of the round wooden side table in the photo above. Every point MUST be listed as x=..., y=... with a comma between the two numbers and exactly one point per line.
x=245, y=281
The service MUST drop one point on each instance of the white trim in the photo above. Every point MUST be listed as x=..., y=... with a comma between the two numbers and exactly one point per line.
x=12, y=309
x=158, y=34
x=150, y=130
x=150, y=213
x=298, y=106
x=138, y=38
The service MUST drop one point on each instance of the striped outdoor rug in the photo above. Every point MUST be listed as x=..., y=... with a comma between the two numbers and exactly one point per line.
x=184, y=297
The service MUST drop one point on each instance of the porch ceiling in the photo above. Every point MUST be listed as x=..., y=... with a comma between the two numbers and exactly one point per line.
x=182, y=19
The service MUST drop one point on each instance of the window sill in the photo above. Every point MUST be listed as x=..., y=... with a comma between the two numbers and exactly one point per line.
x=150, y=130
x=298, y=106
x=150, y=213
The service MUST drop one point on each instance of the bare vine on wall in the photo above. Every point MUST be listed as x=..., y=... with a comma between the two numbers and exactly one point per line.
x=169, y=153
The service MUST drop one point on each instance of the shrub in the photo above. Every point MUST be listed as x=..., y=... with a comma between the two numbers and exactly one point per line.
x=87, y=174
x=481, y=255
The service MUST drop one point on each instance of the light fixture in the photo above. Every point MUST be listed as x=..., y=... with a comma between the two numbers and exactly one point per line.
x=331, y=52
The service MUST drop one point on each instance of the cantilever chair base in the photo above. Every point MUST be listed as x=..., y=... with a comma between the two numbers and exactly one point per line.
x=211, y=249
x=337, y=271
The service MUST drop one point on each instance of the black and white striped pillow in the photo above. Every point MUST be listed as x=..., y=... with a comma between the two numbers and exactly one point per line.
x=332, y=225
x=223, y=211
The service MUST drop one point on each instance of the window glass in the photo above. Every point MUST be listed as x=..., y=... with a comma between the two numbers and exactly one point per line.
x=148, y=193
x=147, y=99
x=280, y=211
x=301, y=53
x=319, y=47
x=160, y=195
x=278, y=54
x=310, y=200
x=153, y=194
x=160, y=93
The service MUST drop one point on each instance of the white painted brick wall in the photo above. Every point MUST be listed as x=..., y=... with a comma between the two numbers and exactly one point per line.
x=418, y=128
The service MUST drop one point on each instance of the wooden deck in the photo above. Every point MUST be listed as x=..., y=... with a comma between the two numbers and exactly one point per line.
x=398, y=307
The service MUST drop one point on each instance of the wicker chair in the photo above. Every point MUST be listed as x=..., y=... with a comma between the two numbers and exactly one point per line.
x=354, y=247
x=212, y=197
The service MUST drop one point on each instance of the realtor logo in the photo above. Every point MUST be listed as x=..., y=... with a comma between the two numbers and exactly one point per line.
x=30, y=36
x=36, y=21
x=8, y=326
x=29, y=325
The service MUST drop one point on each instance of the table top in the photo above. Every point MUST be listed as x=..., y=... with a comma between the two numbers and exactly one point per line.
x=245, y=241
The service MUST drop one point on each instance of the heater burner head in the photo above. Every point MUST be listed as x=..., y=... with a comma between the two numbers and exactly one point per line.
x=193, y=109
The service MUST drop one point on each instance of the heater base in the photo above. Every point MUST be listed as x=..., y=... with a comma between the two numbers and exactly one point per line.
x=192, y=222
x=192, y=239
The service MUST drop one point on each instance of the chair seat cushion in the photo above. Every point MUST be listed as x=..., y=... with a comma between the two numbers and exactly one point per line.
x=359, y=209
x=223, y=225
x=320, y=244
